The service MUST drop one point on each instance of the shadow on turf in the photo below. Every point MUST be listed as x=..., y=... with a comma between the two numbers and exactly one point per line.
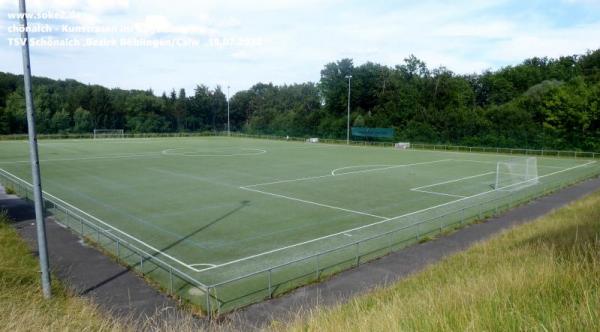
x=170, y=246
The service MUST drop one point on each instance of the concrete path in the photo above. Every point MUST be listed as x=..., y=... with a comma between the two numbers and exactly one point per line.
x=400, y=264
x=87, y=271
x=118, y=290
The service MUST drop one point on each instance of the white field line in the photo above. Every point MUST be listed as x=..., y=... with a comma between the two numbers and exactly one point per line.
x=420, y=189
x=385, y=168
x=347, y=167
x=87, y=158
x=372, y=224
x=436, y=193
x=455, y=180
x=202, y=264
x=157, y=251
x=488, y=191
x=253, y=152
x=315, y=203
x=346, y=173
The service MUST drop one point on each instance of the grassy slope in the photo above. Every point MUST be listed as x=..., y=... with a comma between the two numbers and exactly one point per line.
x=540, y=276
x=22, y=307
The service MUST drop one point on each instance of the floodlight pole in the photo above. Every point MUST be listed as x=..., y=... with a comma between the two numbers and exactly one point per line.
x=33, y=155
x=228, y=127
x=349, y=77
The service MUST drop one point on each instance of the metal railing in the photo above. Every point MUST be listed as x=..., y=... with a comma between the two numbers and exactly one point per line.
x=262, y=283
x=416, y=146
x=121, y=246
x=276, y=273
x=440, y=147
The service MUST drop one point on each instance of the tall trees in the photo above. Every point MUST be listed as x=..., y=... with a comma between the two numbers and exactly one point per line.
x=540, y=103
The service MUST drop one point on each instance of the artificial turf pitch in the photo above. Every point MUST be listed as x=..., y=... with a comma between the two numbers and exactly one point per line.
x=219, y=208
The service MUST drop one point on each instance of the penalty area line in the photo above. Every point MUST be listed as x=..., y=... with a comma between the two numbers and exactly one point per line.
x=115, y=229
x=333, y=172
x=437, y=193
x=368, y=225
x=314, y=203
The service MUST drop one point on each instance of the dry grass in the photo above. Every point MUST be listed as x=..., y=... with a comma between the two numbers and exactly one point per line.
x=540, y=276
x=22, y=307
x=10, y=190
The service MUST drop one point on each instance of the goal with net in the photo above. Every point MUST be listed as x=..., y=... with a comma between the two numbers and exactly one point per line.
x=108, y=133
x=516, y=174
x=402, y=145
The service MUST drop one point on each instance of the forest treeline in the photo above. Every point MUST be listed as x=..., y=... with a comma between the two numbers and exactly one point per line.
x=540, y=103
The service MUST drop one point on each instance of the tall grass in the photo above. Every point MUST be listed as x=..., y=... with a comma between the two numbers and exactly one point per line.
x=541, y=276
x=22, y=308
x=9, y=190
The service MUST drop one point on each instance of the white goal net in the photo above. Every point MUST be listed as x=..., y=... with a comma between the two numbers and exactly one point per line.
x=402, y=145
x=516, y=174
x=108, y=133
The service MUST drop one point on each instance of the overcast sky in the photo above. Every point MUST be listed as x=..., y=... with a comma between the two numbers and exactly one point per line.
x=242, y=42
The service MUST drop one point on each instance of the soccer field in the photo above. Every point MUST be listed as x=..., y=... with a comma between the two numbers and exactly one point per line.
x=251, y=218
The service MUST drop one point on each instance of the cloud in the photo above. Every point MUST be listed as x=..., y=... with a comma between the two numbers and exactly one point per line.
x=583, y=2
x=91, y=6
x=290, y=41
x=107, y=6
x=159, y=24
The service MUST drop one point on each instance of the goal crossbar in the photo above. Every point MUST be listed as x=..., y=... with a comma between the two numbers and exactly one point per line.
x=108, y=133
x=516, y=174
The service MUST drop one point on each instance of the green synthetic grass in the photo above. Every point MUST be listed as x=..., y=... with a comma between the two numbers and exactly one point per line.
x=543, y=276
x=233, y=203
x=23, y=308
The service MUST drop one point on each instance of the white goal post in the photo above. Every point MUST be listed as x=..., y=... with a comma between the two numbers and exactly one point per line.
x=312, y=140
x=402, y=145
x=108, y=133
x=516, y=174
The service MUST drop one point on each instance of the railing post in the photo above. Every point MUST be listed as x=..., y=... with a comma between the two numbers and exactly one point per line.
x=208, y=311
x=318, y=258
x=357, y=253
x=171, y=279
x=118, y=249
x=270, y=293
x=142, y=264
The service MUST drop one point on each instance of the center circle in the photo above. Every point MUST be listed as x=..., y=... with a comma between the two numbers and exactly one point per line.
x=213, y=152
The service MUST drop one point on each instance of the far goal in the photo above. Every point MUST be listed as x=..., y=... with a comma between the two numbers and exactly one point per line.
x=516, y=174
x=108, y=133
x=312, y=140
x=402, y=145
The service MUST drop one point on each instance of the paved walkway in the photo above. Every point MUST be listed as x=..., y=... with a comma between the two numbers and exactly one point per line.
x=87, y=271
x=118, y=290
x=400, y=264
